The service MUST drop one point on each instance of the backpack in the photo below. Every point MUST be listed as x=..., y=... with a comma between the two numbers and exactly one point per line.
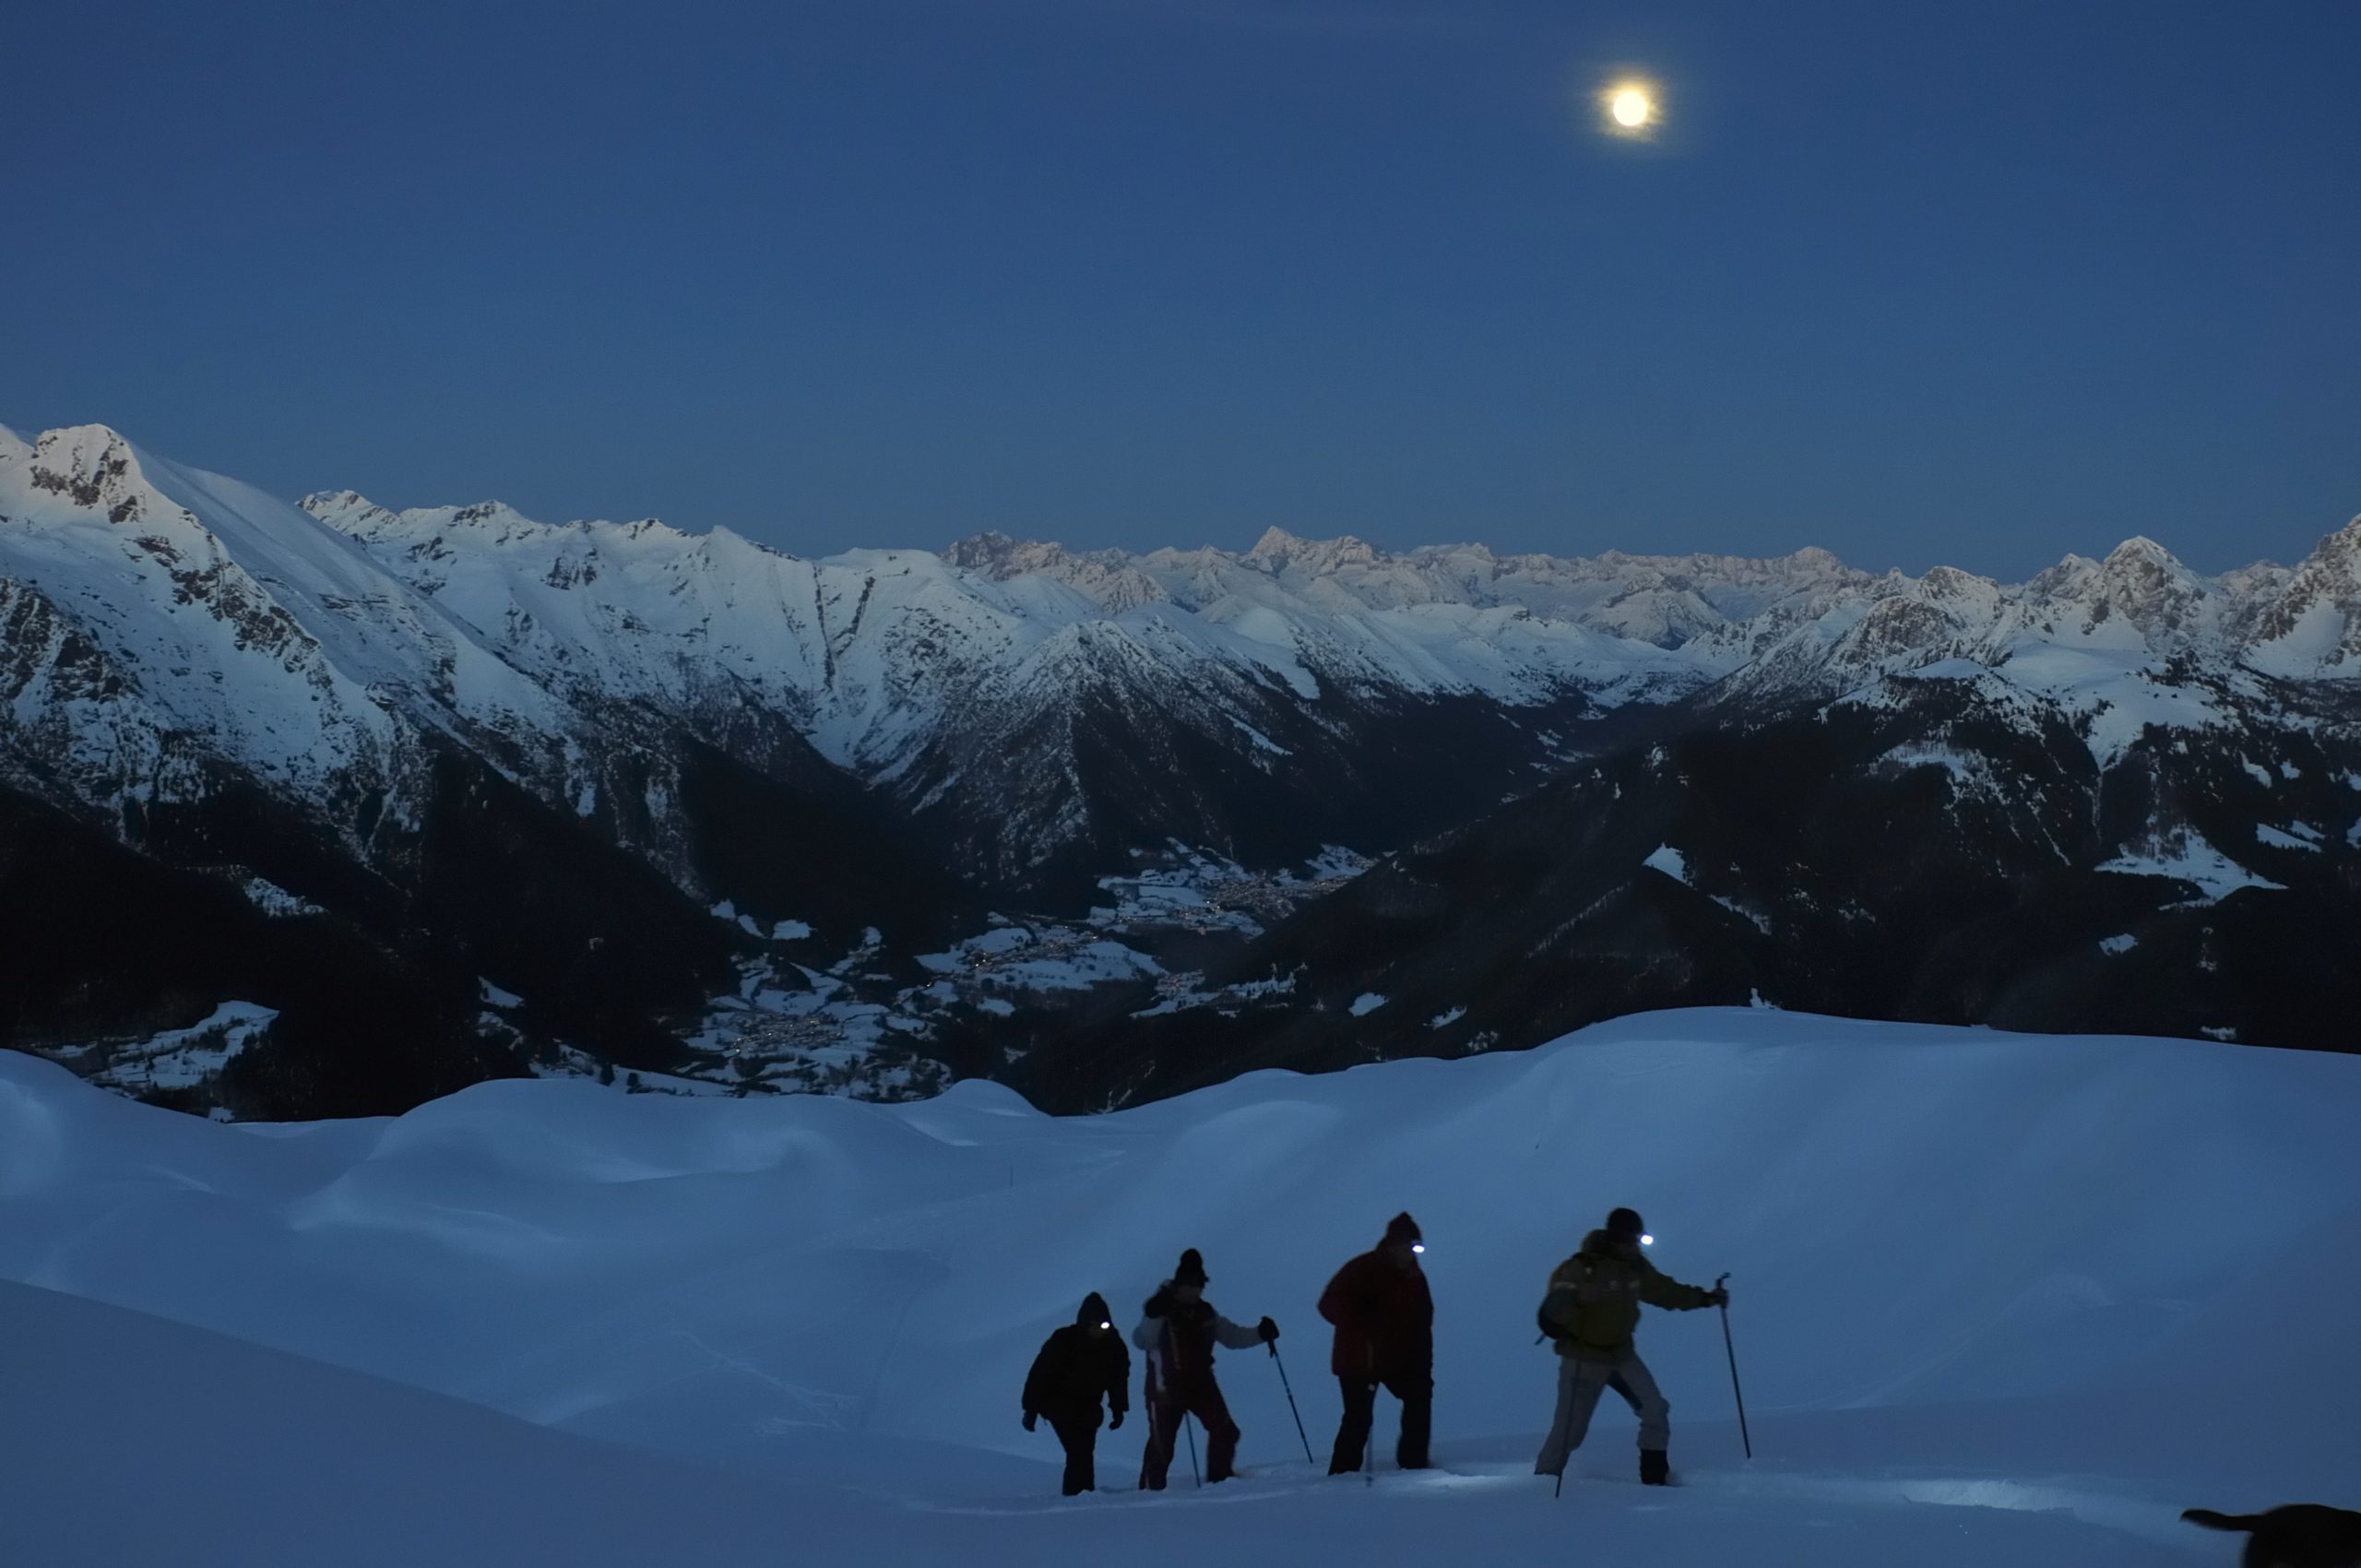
x=1549, y=1329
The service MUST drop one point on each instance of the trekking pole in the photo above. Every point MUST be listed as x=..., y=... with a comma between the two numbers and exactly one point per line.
x=1559, y=1490
x=1195, y=1474
x=1291, y=1408
x=1735, y=1391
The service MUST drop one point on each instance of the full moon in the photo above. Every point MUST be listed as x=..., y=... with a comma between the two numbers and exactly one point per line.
x=1631, y=108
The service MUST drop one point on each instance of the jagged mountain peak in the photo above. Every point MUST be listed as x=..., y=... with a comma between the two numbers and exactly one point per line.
x=1277, y=549
x=347, y=512
x=2135, y=557
x=988, y=550
x=91, y=438
x=2313, y=626
x=1953, y=582
x=93, y=467
x=2139, y=572
x=2070, y=568
x=1108, y=578
x=1810, y=564
x=2142, y=556
x=2140, y=598
x=321, y=501
x=352, y=514
x=1275, y=543
x=2342, y=546
x=998, y=556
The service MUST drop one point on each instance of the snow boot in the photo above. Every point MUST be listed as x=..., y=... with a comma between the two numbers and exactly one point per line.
x=1655, y=1469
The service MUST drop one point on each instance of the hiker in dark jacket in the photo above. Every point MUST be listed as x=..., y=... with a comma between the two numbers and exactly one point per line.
x=1592, y=1311
x=1078, y=1364
x=1179, y=1329
x=1385, y=1337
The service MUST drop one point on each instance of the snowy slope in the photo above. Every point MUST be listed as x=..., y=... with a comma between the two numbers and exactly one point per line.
x=249, y=1458
x=219, y=1451
x=148, y=643
x=1996, y=1295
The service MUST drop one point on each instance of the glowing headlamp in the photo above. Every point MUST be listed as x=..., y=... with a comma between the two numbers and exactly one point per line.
x=1648, y=1241
x=1418, y=1246
x=1105, y=1325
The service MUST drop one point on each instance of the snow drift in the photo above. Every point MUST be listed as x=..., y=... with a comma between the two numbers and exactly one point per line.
x=2075, y=1284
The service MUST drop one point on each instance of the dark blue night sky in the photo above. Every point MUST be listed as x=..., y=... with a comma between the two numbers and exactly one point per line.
x=1969, y=283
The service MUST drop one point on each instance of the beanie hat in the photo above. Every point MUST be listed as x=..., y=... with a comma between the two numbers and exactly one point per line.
x=1624, y=1224
x=1192, y=1270
x=1402, y=1227
x=1094, y=1312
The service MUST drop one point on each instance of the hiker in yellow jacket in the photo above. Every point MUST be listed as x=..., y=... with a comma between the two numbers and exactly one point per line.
x=1592, y=1311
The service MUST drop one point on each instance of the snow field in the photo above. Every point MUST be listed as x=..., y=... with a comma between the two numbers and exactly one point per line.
x=1996, y=1298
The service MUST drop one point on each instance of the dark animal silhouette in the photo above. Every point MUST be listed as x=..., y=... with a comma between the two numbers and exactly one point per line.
x=2302, y=1535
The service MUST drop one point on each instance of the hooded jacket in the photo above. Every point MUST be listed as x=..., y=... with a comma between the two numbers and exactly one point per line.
x=1595, y=1296
x=1076, y=1367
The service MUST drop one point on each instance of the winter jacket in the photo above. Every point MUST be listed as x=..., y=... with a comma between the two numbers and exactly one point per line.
x=1180, y=1339
x=1595, y=1296
x=1074, y=1368
x=1384, y=1317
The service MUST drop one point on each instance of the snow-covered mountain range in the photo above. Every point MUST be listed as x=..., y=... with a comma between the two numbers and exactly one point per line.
x=408, y=718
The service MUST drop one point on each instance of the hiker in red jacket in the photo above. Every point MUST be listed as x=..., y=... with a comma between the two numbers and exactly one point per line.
x=1079, y=1364
x=1179, y=1330
x=1385, y=1335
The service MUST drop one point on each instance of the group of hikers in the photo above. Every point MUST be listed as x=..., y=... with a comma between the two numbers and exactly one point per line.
x=1383, y=1316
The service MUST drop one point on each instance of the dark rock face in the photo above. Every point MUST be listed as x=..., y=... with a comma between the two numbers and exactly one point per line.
x=108, y=944
x=1930, y=859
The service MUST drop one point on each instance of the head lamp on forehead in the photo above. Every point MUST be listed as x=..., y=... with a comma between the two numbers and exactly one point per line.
x=1648, y=1241
x=1418, y=1246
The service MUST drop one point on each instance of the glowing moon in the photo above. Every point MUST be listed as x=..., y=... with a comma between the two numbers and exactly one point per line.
x=1629, y=107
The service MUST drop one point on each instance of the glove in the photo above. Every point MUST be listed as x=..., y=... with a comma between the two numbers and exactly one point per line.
x=1267, y=1329
x=1030, y=1419
x=1115, y=1423
x=1718, y=1298
x=1156, y=1305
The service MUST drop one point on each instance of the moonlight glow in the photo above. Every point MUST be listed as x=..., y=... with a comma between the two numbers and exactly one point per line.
x=1631, y=108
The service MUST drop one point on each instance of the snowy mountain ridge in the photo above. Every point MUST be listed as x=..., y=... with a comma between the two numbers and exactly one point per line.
x=2093, y=639
x=161, y=611
x=1616, y=628
x=524, y=755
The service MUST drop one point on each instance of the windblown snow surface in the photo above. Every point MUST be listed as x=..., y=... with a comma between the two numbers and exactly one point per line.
x=1998, y=1300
